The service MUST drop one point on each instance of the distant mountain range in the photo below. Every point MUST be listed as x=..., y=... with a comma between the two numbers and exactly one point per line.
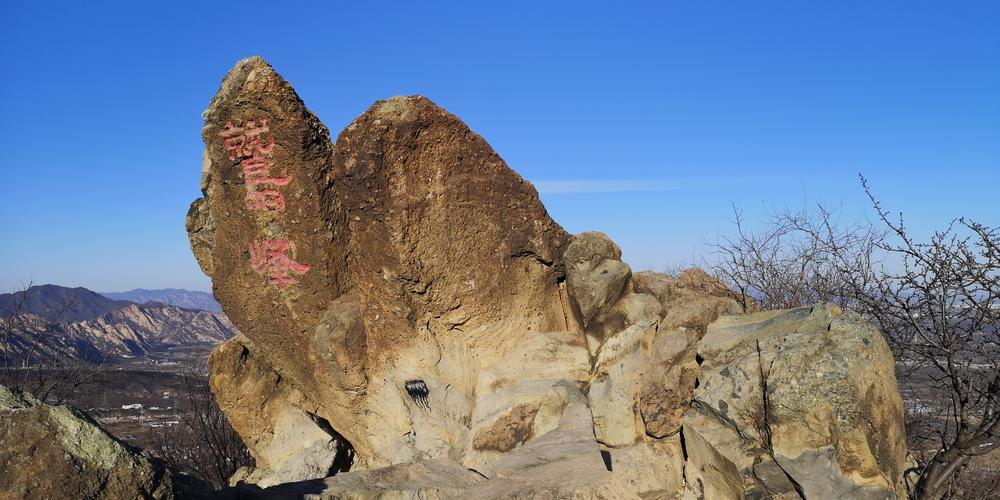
x=52, y=323
x=57, y=304
x=171, y=296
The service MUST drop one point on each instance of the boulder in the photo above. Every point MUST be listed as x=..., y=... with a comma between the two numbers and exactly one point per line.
x=385, y=258
x=274, y=269
x=58, y=452
x=417, y=324
x=595, y=273
x=614, y=388
x=279, y=425
x=796, y=402
x=693, y=299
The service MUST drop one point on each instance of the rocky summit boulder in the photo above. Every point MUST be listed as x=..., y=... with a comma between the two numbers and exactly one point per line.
x=57, y=452
x=405, y=255
x=415, y=325
x=795, y=403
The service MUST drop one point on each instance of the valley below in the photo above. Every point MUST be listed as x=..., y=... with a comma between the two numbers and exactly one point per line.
x=140, y=371
x=140, y=401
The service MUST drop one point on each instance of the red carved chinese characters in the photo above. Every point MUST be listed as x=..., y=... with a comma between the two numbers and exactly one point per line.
x=270, y=259
x=232, y=139
x=255, y=171
x=251, y=145
x=246, y=144
x=265, y=199
x=252, y=135
x=246, y=141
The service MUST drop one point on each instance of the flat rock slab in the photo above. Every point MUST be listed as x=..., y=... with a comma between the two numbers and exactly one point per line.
x=431, y=480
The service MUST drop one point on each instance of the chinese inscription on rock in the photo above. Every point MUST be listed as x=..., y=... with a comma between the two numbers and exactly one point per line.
x=251, y=145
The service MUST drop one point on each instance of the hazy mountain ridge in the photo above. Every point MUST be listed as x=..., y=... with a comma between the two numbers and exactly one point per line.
x=58, y=304
x=115, y=329
x=172, y=296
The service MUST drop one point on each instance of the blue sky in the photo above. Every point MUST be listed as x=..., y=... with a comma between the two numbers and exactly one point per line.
x=641, y=120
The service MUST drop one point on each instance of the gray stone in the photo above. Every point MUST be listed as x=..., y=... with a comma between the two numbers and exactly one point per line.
x=833, y=422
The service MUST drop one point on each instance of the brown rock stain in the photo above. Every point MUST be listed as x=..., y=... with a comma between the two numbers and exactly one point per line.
x=510, y=430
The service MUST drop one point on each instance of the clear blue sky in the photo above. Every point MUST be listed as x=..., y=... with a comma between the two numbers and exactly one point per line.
x=641, y=120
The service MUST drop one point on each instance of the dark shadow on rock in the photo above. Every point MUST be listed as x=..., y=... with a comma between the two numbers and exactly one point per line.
x=287, y=491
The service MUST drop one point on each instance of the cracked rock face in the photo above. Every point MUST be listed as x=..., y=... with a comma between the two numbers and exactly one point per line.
x=410, y=312
x=801, y=399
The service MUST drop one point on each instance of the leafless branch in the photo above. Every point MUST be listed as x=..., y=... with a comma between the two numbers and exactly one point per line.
x=936, y=301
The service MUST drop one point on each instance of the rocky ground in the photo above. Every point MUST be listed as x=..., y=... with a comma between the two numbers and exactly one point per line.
x=159, y=383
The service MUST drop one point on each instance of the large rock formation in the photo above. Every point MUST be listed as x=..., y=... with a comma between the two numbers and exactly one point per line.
x=57, y=452
x=411, y=312
x=379, y=260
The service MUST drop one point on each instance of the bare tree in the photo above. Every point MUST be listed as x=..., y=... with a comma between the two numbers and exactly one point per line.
x=937, y=302
x=941, y=313
x=29, y=348
x=203, y=443
x=792, y=261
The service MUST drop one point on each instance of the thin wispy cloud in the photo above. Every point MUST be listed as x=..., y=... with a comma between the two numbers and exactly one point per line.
x=581, y=186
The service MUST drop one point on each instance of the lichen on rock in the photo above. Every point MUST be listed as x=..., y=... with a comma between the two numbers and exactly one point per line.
x=58, y=452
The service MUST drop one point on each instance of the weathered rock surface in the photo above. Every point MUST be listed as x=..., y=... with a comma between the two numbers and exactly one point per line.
x=595, y=273
x=691, y=300
x=279, y=425
x=424, y=480
x=56, y=452
x=410, y=311
x=803, y=399
x=564, y=463
x=524, y=396
x=386, y=260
